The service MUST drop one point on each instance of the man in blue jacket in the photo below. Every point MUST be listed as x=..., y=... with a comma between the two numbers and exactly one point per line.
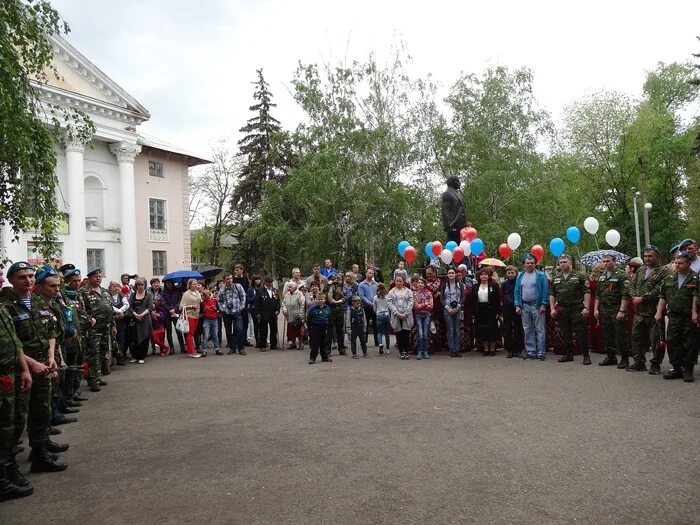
x=531, y=298
x=367, y=289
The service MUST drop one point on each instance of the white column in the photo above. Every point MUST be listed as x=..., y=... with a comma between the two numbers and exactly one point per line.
x=75, y=249
x=126, y=153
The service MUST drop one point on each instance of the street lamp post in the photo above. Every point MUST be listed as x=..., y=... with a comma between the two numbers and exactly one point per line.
x=647, y=207
x=636, y=222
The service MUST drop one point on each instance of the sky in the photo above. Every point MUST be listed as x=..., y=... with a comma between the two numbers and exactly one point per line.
x=191, y=63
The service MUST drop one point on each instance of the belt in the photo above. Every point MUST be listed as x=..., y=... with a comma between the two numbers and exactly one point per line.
x=576, y=305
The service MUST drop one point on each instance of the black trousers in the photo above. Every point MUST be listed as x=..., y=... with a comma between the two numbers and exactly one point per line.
x=244, y=314
x=169, y=329
x=263, y=326
x=371, y=318
x=317, y=334
x=453, y=236
x=402, y=340
x=336, y=324
x=513, y=326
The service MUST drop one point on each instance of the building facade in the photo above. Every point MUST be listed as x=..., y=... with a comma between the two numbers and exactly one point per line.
x=124, y=194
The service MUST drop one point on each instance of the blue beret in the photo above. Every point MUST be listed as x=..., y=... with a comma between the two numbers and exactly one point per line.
x=529, y=256
x=19, y=265
x=72, y=272
x=63, y=269
x=674, y=248
x=45, y=271
x=685, y=255
x=686, y=242
x=94, y=271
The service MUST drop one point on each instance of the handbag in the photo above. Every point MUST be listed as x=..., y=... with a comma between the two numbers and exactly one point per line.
x=182, y=325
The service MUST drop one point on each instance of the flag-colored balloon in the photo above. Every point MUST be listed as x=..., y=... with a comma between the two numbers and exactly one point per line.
x=446, y=256
x=458, y=254
x=477, y=246
x=409, y=254
x=591, y=225
x=402, y=246
x=437, y=248
x=467, y=247
x=557, y=246
x=504, y=250
x=468, y=233
x=573, y=234
x=514, y=241
x=451, y=245
x=537, y=251
x=612, y=237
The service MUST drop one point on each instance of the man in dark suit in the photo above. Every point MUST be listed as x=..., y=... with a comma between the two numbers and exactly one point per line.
x=267, y=308
x=454, y=211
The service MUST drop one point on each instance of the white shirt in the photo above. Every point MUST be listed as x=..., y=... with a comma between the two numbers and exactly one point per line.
x=483, y=293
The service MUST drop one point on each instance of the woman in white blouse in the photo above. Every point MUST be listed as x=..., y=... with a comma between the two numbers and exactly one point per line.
x=400, y=303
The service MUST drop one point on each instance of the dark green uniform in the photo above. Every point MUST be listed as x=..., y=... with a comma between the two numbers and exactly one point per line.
x=98, y=305
x=10, y=346
x=34, y=328
x=681, y=333
x=569, y=292
x=645, y=330
x=76, y=327
x=611, y=290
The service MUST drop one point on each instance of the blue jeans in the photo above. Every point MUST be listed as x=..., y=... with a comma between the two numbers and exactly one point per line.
x=452, y=328
x=533, y=327
x=422, y=331
x=233, y=324
x=383, y=325
x=210, y=332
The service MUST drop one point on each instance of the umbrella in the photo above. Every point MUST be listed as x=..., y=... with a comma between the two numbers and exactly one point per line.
x=594, y=257
x=182, y=274
x=491, y=262
x=208, y=270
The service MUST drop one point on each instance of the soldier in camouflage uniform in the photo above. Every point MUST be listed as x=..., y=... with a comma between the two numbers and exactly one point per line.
x=336, y=322
x=36, y=327
x=14, y=378
x=569, y=293
x=677, y=295
x=98, y=305
x=74, y=341
x=612, y=296
x=645, y=288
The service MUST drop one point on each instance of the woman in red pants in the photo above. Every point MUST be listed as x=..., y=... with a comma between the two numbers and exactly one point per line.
x=190, y=303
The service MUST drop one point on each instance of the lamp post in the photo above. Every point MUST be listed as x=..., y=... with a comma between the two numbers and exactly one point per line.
x=636, y=222
x=647, y=207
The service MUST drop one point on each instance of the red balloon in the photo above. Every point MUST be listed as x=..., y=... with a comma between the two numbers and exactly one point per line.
x=538, y=252
x=457, y=254
x=505, y=250
x=436, y=248
x=409, y=254
x=468, y=233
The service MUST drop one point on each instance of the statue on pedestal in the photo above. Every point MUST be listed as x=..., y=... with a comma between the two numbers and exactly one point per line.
x=454, y=210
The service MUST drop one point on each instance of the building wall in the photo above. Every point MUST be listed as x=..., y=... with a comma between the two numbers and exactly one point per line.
x=168, y=188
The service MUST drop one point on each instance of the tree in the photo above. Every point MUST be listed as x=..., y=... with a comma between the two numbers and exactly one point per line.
x=29, y=128
x=265, y=150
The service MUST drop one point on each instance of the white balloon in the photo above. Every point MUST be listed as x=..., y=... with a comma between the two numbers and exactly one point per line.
x=591, y=225
x=467, y=247
x=446, y=256
x=514, y=241
x=612, y=237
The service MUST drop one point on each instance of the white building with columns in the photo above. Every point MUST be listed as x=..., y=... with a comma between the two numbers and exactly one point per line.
x=124, y=193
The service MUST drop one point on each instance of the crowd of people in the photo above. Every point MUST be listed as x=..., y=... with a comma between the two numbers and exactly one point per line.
x=58, y=327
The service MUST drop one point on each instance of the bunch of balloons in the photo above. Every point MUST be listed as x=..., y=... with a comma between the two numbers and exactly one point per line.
x=407, y=251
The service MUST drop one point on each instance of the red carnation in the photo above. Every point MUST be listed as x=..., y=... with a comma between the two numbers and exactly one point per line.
x=6, y=384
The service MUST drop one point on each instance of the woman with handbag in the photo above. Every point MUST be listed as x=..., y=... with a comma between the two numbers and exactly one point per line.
x=190, y=305
x=140, y=304
x=293, y=306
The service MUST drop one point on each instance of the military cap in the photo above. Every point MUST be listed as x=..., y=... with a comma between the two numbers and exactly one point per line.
x=529, y=256
x=674, y=248
x=63, y=269
x=94, y=271
x=651, y=248
x=45, y=271
x=19, y=265
x=686, y=255
x=685, y=242
x=71, y=273
x=565, y=256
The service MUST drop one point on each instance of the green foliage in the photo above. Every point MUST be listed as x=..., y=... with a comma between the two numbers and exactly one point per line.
x=27, y=155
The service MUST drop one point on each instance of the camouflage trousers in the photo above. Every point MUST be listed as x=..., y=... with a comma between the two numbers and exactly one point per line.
x=7, y=416
x=681, y=340
x=34, y=409
x=571, y=321
x=97, y=353
x=646, y=335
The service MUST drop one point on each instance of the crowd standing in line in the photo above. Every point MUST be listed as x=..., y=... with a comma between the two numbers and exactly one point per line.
x=57, y=327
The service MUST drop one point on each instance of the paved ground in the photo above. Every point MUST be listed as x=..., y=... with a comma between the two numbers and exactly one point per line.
x=266, y=438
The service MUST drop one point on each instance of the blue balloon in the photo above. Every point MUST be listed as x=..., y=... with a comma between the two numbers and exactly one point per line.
x=477, y=247
x=451, y=245
x=429, y=250
x=557, y=246
x=573, y=234
x=402, y=247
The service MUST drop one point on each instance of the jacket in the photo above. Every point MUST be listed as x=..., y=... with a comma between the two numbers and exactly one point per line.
x=400, y=303
x=541, y=289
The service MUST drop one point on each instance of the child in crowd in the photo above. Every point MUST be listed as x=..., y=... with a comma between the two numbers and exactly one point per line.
x=401, y=270
x=381, y=310
x=423, y=310
x=513, y=325
x=210, y=325
x=317, y=319
x=356, y=326
x=158, y=315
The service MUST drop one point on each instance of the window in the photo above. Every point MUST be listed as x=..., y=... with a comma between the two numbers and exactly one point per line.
x=95, y=259
x=160, y=262
x=158, y=219
x=155, y=169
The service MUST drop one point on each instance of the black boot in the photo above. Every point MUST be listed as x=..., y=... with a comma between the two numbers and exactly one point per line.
x=624, y=362
x=14, y=476
x=587, y=359
x=654, y=369
x=637, y=367
x=609, y=360
x=56, y=447
x=44, y=462
x=565, y=358
x=688, y=373
x=676, y=373
x=10, y=491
